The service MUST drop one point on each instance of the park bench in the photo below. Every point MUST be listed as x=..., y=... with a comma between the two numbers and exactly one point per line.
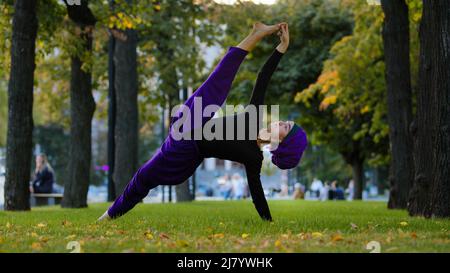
x=41, y=199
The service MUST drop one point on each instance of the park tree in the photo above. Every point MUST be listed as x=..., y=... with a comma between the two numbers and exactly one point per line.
x=126, y=92
x=396, y=39
x=431, y=127
x=345, y=108
x=82, y=107
x=20, y=105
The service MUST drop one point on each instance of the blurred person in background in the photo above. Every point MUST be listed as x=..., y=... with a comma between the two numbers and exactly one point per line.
x=43, y=176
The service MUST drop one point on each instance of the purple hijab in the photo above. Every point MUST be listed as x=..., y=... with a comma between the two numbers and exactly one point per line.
x=290, y=150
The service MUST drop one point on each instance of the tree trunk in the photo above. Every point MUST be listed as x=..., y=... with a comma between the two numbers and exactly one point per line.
x=82, y=107
x=358, y=178
x=20, y=106
x=398, y=82
x=126, y=129
x=111, y=118
x=430, y=196
x=182, y=190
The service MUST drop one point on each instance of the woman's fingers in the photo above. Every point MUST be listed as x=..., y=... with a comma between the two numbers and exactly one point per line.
x=286, y=32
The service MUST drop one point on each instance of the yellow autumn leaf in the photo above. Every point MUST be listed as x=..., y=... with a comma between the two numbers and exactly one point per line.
x=316, y=234
x=219, y=235
x=148, y=235
x=8, y=225
x=327, y=102
x=365, y=109
x=41, y=225
x=403, y=224
x=70, y=237
x=337, y=237
x=245, y=235
x=182, y=243
x=278, y=243
x=36, y=246
x=157, y=7
x=34, y=234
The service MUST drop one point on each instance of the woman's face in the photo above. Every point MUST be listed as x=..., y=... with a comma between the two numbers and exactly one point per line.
x=39, y=160
x=280, y=129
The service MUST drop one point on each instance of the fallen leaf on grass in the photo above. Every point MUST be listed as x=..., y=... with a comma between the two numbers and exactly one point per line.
x=70, y=237
x=182, y=243
x=353, y=226
x=219, y=235
x=34, y=234
x=413, y=235
x=43, y=239
x=316, y=234
x=41, y=225
x=245, y=235
x=303, y=236
x=337, y=237
x=36, y=246
x=403, y=224
x=163, y=236
x=148, y=235
x=278, y=243
x=8, y=225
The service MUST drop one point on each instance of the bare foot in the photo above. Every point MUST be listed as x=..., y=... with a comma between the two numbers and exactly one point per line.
x=265, y=30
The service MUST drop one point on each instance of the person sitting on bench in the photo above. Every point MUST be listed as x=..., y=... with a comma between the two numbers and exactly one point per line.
x=43, y=176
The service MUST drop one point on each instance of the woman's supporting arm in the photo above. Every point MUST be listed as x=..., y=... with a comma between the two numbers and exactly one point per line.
x=257, y=192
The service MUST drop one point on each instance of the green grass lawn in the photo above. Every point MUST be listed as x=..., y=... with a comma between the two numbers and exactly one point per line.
x=233, y=226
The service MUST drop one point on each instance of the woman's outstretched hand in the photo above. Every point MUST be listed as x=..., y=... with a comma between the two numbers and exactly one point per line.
x=284, y=38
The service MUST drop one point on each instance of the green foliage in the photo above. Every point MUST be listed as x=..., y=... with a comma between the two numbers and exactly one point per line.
x=347, y=105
